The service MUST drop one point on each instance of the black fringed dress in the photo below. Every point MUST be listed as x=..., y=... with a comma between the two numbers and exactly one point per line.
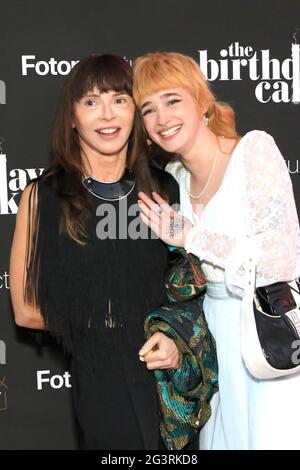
x=94, y=298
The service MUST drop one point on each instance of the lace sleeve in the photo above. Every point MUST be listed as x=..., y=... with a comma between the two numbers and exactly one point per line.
x=272, y=215
x=272, y=227
x=211, y=246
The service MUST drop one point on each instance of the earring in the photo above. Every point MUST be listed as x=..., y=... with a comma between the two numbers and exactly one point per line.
x=149, y=142
x=205, y=119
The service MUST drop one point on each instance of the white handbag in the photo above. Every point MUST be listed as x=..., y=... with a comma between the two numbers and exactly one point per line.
x=270, y=338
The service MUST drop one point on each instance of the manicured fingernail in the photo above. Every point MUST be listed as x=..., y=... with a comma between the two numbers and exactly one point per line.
x=142, y=358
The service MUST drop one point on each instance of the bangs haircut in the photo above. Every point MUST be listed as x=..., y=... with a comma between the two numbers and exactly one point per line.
x=158, y=71
x=106, y=73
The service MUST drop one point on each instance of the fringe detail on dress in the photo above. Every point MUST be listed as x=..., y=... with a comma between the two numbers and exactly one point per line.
x=93, y=297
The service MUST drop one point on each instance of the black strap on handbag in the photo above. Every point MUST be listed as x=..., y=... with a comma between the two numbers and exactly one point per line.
x=277, y=298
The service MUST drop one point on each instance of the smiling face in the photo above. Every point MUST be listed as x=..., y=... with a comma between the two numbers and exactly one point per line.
x=172, y=119
x=103, y=122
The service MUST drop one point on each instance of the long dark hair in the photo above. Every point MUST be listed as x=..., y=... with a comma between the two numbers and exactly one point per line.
x=106, y=73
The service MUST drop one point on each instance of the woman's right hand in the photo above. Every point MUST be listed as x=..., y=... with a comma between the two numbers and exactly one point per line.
x=160, y=352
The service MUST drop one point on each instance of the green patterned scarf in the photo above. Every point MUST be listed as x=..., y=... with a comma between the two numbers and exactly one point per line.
x=184, y=393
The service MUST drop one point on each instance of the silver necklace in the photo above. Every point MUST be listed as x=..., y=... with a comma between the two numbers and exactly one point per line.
x=113, y=190
x=208, y=180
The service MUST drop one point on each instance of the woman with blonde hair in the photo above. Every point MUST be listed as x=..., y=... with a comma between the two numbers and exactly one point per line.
x=236, y=197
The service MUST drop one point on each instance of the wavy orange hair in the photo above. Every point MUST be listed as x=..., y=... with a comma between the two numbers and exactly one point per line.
x=162, y=70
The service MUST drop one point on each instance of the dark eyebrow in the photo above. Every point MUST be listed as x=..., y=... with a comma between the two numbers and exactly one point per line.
x=145, y=104
x=93, y=95
x=118, y=93
x=164, y=95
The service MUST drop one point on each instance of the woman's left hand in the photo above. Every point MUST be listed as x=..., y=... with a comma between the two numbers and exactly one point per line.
x=168, y=225
x=160, y=352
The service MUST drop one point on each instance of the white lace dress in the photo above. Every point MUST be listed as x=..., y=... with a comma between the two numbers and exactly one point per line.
x=254, y=208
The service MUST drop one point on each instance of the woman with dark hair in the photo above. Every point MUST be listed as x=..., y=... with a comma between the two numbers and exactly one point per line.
x=84, y=267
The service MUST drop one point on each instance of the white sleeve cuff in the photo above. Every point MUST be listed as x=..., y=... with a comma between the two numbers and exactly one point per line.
x=189, y=240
